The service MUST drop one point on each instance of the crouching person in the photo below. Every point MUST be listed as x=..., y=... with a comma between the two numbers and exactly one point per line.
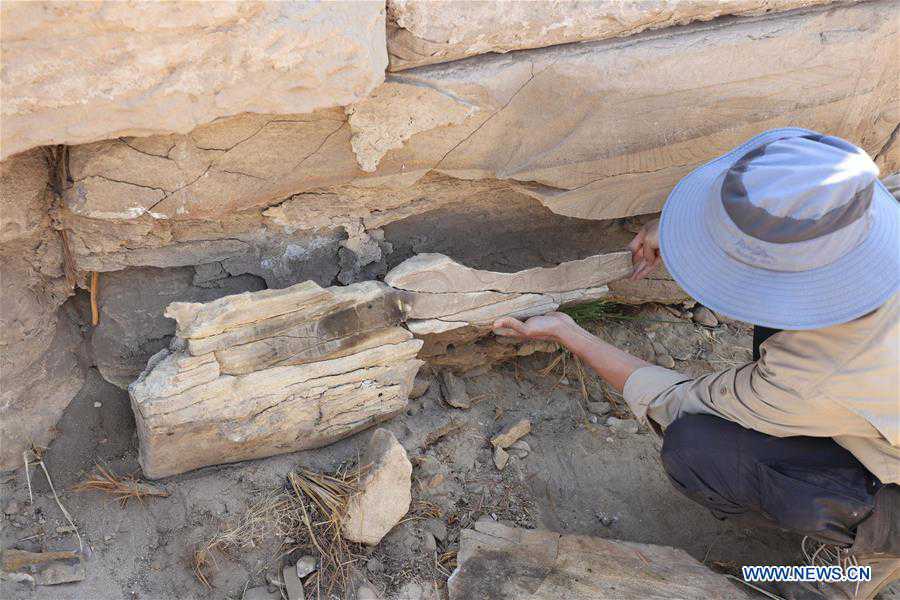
x=792, y=232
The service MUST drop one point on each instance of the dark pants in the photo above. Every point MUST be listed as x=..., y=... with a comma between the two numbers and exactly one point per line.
x=808, y=485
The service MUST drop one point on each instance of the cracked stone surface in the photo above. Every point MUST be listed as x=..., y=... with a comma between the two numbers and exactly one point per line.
x=133, y=68
x=326, y=363
x=422, y=32
x=505, y=563
x=596, y=130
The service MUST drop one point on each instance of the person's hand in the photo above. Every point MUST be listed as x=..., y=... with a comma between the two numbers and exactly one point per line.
x=645, y=250
x=543, y=327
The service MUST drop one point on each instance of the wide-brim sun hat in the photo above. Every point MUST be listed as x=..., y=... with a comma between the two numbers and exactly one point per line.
x=790, y=230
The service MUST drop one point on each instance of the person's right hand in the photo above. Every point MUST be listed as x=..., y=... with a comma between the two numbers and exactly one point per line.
x=542, y=327
x=645, y=250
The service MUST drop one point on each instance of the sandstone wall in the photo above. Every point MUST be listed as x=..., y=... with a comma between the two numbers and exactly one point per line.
x=75, y=72
x=421, y=32
x=253, y=145
x=39, y=370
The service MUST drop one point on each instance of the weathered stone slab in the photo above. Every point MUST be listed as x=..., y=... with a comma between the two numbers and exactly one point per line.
x=621, y=121
x=318, y=315
x=436, y=273
x=290, y=349
x=504, y=563
x=421, y=32
x=137, y=68
x=427, y=305
x=271, y=411
x=199, y=320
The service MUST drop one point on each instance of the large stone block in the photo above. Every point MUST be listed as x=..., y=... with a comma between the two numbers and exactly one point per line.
x=505, y=563
x=421, y=32
x=77, y=72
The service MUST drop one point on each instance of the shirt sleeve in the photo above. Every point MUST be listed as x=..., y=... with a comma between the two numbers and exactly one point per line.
x=767, y=396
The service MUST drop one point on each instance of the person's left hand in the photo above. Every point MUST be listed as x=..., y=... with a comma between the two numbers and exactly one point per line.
x=543, y=327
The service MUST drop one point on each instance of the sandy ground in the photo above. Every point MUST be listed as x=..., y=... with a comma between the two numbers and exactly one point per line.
x=579, y=477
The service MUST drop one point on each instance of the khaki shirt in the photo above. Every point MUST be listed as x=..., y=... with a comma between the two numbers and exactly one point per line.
x=839, y=382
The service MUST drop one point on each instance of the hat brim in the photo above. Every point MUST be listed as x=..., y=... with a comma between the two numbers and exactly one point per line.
x=846, y=289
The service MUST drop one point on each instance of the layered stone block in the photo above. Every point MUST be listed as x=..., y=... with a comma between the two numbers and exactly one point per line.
x=282, y=370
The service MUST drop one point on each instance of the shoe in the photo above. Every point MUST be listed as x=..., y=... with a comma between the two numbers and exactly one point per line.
x=885, y=571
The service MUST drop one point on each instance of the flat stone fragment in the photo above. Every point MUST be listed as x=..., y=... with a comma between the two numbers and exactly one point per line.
x=437, y=273
x=453, y=390
x=292, y=584
x=385, y=491
x=505, y=563
x=511, y=434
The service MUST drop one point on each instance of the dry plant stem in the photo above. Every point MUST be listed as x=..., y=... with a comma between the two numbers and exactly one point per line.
x=28, y=480
x=95, y=311
x=61, y=507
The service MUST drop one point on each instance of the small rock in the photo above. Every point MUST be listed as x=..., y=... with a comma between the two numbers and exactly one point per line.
x=501, y=458
x=98, y=404
x=664, y=360
x=367, y=592
x=437, y=528
x=564, y=381
x=687, y=315
x=704, y=316
x=453, y=390
x=599, y=408
x=374, y=566
x=689, y=304
x=420, y=386
x=12, y=507
x=593, y=419
x=385, y=491
x=305, y=566
x=520, y=449
x=292, y=584
x=260, y=593
x=429, y=544
x=511, y=434
x=623, y=425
